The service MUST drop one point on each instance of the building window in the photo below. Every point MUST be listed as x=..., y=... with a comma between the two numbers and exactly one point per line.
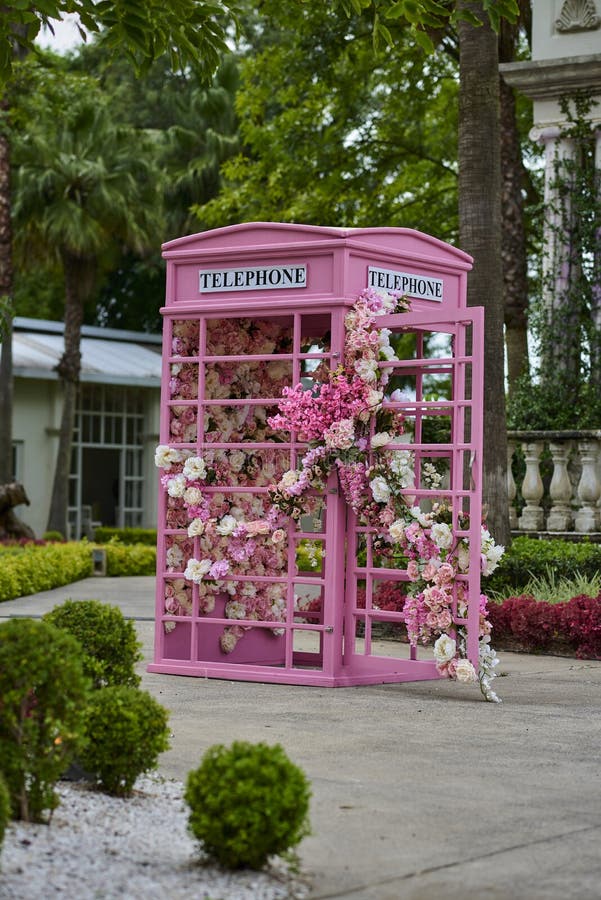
x=106, y=467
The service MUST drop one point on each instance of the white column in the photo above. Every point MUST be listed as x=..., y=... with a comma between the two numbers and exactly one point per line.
x=532, y=518
x=511, y=487
x=587, y=517
x=560, y=489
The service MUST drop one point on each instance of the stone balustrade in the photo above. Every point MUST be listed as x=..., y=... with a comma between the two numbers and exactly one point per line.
x=554, y=482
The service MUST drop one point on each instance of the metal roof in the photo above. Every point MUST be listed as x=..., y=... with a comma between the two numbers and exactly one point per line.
x=108, y=356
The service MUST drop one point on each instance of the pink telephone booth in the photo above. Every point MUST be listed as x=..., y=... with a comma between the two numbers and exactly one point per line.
x=260, y=577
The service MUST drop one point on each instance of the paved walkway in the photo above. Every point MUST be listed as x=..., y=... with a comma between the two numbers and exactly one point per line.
x=420, y=791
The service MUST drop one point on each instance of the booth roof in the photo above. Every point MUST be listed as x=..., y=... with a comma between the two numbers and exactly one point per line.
x=109, y=356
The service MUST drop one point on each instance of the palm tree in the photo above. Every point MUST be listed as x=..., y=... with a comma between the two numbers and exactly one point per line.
x=83, y=192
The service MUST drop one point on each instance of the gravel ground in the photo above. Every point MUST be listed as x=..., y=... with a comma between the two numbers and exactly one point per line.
x=104, y=847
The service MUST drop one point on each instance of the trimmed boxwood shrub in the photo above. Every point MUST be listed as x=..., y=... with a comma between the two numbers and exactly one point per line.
x=126, y=730
x=528, y=557
x=43, y=696
x=110, y=645
x=247, y=803
x=124, y=560
x=4, y=808
x=104, y=533
x=30, y=569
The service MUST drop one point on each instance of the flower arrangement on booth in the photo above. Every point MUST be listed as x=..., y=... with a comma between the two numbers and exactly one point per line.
x=347, y=429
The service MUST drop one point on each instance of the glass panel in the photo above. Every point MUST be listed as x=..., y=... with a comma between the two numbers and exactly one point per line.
x=310, y=557
x=249, y=337
x=184, y=340
x=178, y=597
x=308, y=603
x=182, y=424
x=304, y=641
x=178, y=550
x=258, y=468
x=239, y=424
x=241, y=380
x=183, y=384
x=316, y=333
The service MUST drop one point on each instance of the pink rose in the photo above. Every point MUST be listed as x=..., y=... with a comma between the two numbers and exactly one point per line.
x=429, y=571
x=412, y=570
x=278, y=535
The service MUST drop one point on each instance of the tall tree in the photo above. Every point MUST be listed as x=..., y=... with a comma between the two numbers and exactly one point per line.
x=322, y=137
x=513, y=236
x=480, y=235
x=79, y=198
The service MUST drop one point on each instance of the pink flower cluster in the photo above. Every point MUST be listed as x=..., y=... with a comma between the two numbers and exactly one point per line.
x=312, y=413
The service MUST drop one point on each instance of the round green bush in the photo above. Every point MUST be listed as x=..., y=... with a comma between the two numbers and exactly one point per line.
x=247, y=803
x=111, y=649
x=43, y=696
x=4, y=808
x=126, y=730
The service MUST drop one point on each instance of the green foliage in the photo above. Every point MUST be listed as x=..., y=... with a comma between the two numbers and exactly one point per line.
x=109, y=642
x=247, y=802
x=529, y=558
x=550, y=588
x=43, y=694
x=127, y=730
x=565, y=392
x=4, y=807
x=30, y=569
x=53, y=536
x=322, y=137
x=134, y=559
x=105, y=533
x=190, y=32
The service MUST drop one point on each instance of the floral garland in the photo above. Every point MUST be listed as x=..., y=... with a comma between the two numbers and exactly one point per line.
x=346, y=427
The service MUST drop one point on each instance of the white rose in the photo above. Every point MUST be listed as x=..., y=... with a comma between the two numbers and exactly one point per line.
x=227, y=525
x=195, y=469
x=196, y=528
x=237, y=460
x=165, y=457
x=397, y=530
x=379, y=439
x=444, y=649
x=197, y=569
x=192, y=496
x=176, y=486
x=366, y=369
x=380, y=490
x=463, y=556
x=442, y=535
x=288, y=478
x=465, y=672
x=235, y=610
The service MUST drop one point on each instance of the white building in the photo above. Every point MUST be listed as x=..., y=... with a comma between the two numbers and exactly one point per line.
x=113, y=480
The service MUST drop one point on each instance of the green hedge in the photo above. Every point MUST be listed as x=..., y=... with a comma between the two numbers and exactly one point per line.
x=29, y=569
x=103, y=534
x=530, y=557
x=133, y=559
x=32, y=568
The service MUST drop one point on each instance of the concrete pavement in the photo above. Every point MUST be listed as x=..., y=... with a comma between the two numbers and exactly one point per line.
x=421, y=790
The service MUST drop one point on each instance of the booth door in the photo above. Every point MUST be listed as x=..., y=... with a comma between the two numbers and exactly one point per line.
x=441, y=381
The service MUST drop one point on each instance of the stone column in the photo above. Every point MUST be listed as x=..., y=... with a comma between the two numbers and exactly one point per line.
x=587, y=517
x=532, y=518
x=560, y=489
x=511, y=488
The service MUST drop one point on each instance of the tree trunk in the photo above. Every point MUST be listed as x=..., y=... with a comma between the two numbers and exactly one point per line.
x=79, y=275
x=480, y=235
x=513, y=235
x=6, y=312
